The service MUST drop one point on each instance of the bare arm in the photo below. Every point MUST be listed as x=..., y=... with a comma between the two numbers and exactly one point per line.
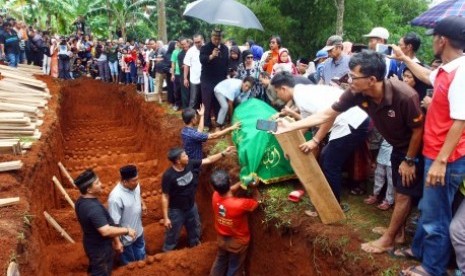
x=113, y=231
x=224, y=131
x=165, y=200
x=407, y=172
x=213, y=158
x=437, y=171
x=311, y=121
x=419, y=71
x=186, y=75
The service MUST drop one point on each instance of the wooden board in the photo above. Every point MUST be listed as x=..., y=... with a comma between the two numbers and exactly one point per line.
x=9, y=201
x=309, y=173
x=13, y=269
x=57, y=227
x=11, y=165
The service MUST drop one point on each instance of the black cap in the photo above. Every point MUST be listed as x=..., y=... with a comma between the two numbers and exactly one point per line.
x=452, y=27
x=85, y=179
x=128, y=172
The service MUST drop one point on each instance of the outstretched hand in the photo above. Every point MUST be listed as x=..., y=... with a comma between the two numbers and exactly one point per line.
x=283, y=126
x=230, y=150
x=397, y=53
x=201, y=110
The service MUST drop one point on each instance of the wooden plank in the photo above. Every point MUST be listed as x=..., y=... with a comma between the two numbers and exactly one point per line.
x=11, y=115
x=65, y=172
x=9, y=201
x=62, y=190
x=309, y=173
x=57, y=227
x=22, y=121
x=18, y=107
x=11, y=165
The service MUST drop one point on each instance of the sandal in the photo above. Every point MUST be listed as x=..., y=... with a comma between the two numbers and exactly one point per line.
x=372, y=199
x=402, y=253
x=384, y=206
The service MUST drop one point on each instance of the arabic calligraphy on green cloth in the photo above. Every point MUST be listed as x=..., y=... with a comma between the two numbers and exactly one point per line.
x=260, y=155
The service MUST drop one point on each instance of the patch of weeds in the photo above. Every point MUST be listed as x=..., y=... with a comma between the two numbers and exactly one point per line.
x=278, y=210
x=27, y=220
x=391, y=271
x=13, y=257
x=220, y=145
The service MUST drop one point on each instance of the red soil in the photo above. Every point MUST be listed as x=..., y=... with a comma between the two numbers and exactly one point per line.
x=103, y=126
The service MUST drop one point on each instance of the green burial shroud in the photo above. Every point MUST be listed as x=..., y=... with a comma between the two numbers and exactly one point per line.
x=260, y=155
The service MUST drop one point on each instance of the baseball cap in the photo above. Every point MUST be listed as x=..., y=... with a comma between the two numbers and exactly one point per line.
x=332, y=42
x=321, y=54
x=452, y=27
x=378, y=32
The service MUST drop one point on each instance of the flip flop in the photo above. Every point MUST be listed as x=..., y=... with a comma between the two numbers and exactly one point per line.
x=296, y=195
x=402, y=254
x=380, y=230
x=414, y=269
x=311, y=213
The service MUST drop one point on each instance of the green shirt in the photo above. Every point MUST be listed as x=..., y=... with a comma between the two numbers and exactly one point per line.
x=174, y=58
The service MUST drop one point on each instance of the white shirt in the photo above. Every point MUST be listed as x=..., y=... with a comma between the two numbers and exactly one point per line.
x=230, y=88
x=312, y=99
x=192, y=59
x=456, y=94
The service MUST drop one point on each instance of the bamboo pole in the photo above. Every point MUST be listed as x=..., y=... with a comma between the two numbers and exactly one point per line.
x=11, y=165
x=62, y=190
x=65, y=172
x=57, y=227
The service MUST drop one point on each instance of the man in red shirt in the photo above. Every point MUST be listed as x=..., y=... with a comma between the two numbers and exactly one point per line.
x=231, y=224
x=444, y=151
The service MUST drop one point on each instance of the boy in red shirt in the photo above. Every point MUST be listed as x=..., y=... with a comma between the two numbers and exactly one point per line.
x=231, y=224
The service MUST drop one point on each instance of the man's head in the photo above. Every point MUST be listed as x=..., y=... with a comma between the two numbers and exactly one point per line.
x=302, y=65
x=198, y=41
x=378, y=35
x=129, y=176
x=178, y=156
x=448, y=35
x=284, y=83
x=216, y=36
x=334, y=46
x=410, y=43
x=6, y=25
x=189, y=116
x=366, y=69
x=184, y=44
x=220, y=181
x=153, y=44
x=275, y=43
x=88, y=183
x=264, y=78
x=247, y=83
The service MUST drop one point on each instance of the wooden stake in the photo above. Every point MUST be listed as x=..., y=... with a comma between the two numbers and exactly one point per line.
x=309, y=173
x=57, y=227
x=9, y=201
x=62, y=190
x=11, y=165
x=65, y=172
x=13, y=269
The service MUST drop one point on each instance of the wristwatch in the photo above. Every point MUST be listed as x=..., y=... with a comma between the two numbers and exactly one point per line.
x=410, y=160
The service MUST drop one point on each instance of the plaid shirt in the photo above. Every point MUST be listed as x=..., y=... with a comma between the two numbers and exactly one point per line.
x=192, y=142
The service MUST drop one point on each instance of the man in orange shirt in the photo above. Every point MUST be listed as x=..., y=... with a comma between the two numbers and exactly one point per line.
x=231, y=224
x=269, y=58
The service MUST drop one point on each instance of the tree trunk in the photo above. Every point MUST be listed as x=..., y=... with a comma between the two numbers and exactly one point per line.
x=340, y=17
x=162, y=34
x=110, y=22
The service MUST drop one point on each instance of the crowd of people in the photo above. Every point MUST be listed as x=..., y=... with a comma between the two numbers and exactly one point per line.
x=406, y=114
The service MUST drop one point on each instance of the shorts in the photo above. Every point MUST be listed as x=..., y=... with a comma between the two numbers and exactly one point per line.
x=415, y=189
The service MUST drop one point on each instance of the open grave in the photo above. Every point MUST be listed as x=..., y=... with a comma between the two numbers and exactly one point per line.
x=90, y=124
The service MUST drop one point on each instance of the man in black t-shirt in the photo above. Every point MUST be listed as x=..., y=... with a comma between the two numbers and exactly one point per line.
x=100, y=236
x=9, y=44
x=179, y=185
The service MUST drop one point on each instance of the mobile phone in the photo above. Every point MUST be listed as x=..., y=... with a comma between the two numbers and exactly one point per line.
x=429, y=92
x=384, y=49
x=344, y=78
x=267, y=125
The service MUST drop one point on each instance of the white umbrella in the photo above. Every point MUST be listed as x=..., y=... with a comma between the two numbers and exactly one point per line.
x=223, y=12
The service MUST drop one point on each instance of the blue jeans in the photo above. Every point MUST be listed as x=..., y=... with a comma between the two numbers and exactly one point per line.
x=336, y=152
x=228, y=263
x=13, y=59
x=432, y=242
x=188, y=218
x=134, y=252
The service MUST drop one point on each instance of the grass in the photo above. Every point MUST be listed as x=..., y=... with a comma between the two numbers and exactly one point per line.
x=278, y=210
x=220, y=145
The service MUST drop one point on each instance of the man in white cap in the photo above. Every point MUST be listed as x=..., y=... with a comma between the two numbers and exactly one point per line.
x=125, y=206
x=380, y=35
